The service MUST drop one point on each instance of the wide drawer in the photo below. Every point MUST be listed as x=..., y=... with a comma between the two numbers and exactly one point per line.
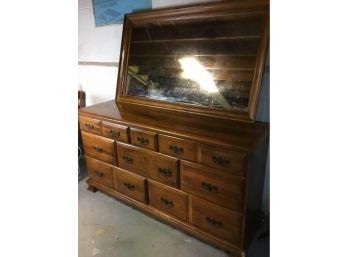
x=99, y=147
x=144, y=139
x=149, y=164
x=224, y=159
x=130, y=184
x=215, y=219
x=115, y=131
x=90, y=125
x=168, y=200
x=100, y=172
x=212, y=185
x=177, y=147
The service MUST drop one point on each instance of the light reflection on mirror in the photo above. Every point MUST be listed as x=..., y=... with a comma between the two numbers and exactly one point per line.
x=194, y=70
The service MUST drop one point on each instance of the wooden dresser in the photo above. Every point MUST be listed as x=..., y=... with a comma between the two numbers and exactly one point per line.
x=200, y=169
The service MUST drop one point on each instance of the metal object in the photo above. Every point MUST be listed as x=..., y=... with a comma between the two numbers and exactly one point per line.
x=209, y=187
x=175, y=149
x=165, y=172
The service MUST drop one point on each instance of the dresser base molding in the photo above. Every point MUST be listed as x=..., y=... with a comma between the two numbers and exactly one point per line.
x=231, y=249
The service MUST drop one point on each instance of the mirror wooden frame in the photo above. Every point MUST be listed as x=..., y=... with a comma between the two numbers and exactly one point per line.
x=187, y=12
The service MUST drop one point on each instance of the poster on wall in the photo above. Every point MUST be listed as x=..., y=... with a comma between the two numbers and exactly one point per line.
x=112, y=11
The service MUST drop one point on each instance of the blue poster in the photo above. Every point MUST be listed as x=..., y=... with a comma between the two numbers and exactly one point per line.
x=112, y=11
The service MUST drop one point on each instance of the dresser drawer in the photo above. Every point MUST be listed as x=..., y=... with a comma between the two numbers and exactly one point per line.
x=224, y=159
x=162, y=168
x=131, y=158
x=215, y=219
x=100, y=172
x=168, y=200
x=149, y=164
x=177, y=147
x=90, y=125
x=115, y=131
x=99, y=147
x=130, y=184
x=144, y=139
x=212, y=185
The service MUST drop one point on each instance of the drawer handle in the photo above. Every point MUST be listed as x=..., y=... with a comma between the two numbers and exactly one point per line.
x=165, y=172
x=220, y=161
x=175, y=149
x=89, y=126
x=127, y=159
x=129, y=186
x=98, y=173
x=166, y=202
x=142, y=140
x=209, y=187
x=214, y=222
x=114, y=133
x=98, y=149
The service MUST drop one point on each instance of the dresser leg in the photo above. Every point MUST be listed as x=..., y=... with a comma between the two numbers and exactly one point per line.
x=92, y=188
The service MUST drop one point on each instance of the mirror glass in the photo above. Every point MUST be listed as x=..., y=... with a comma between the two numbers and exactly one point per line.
x=206, y=61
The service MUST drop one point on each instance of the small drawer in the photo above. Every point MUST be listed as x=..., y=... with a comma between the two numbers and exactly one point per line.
x=162, y=168
x=176, y=147
x=223, y=159
x=99, y=147
x=215, y=219
x=100, y=172
x=144, y=139
x=115, y=131
x=90, y=125
x=131, y=158
x=212, y=185
x=130, y=184
x=168, y=200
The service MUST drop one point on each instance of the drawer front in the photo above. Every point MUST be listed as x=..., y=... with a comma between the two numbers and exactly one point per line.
x=224, y=159
x=168, y=200
x=176, y=147
x=115, y=131
x=215, y=219
x=90, y=125
x=99, y=147
x=131, y=158
x=212, y=185
x=130, y=184
x=100, y=172
x=162, y=168
x=144, y=139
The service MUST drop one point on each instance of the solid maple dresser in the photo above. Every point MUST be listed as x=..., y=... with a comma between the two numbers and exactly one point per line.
x=180, y=142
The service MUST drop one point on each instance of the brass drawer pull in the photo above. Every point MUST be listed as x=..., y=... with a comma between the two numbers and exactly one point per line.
x=129, y=186
x=114, y=133
x=214, y=222
x=166, y=202
x=165, y=172
x=220, y=161
x=127, y=159
x=98, y=173
x=89, y=126
x=175, y=149
x=209, y=187
x=142, y=140
x=98, y=149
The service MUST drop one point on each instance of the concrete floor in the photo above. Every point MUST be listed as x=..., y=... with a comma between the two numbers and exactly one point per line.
x=109, y=228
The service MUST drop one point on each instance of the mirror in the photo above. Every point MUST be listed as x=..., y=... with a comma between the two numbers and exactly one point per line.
x=209, y=62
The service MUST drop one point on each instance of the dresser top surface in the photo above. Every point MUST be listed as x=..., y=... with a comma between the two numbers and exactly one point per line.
x=239, y=135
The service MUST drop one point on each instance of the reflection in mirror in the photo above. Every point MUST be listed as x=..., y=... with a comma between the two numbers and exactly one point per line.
x=206, y=62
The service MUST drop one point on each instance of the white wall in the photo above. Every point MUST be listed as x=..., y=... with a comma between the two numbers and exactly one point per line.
x=99, y=49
